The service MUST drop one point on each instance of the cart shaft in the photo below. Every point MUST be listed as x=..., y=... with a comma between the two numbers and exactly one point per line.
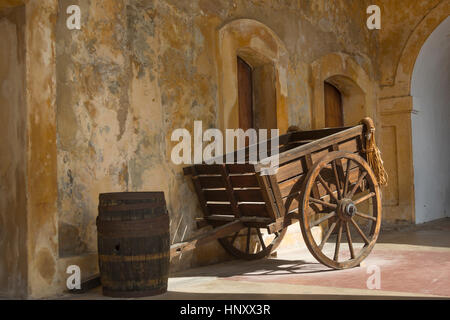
x=216, y=233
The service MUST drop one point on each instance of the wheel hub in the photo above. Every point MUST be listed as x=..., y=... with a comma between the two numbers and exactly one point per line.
x=347, y=209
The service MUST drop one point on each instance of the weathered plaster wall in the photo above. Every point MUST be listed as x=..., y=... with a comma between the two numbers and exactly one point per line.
x=13, y=111
x=93, y=123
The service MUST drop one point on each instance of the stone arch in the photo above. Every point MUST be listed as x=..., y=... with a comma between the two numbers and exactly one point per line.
x=258, y=45
x=395, y=106
x=405, y=66
x=357, y=89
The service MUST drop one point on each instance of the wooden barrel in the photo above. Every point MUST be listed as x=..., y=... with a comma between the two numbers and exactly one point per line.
x=133, y=243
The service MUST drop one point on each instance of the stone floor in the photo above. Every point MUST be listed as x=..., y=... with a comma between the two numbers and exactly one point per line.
x=414, y=262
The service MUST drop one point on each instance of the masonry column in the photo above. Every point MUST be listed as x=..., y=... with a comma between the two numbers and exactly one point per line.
x=396, y=148
x=41, y=160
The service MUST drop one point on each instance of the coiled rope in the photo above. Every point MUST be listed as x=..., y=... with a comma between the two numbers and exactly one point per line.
x=372, y=152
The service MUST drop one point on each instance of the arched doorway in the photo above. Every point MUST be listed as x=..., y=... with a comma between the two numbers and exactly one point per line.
x=430, y=119
x=344, y=102
x=251, y=51
x=341, y=84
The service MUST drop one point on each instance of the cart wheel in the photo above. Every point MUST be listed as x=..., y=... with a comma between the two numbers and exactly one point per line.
x=240, y=245
x=350, y=204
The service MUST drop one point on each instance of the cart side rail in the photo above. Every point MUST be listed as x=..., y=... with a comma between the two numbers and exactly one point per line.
x=316, y=144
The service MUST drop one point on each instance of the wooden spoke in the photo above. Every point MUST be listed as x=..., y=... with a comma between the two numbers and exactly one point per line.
x=347, y=177
x=324, y=240
x=362, y=199
x=244, y=252
x=318, y=210
x=234, y=237
x=331, y=193
x=341, y=175
x=338, y=242
x=249, y=232
x=261, y=240
x=336, y=177
x=349, y=240
x=328, y=216
x=358, y=183
x=361, y=233
x=326, y=204
x=366, y=216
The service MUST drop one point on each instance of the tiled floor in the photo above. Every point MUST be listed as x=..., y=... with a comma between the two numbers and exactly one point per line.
x=413, y=262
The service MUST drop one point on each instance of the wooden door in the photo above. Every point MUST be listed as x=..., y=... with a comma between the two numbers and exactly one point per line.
x=245, y=95
x=334, y=115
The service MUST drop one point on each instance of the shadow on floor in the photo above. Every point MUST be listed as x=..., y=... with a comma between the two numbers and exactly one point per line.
x=431, y=234
x=256, y=268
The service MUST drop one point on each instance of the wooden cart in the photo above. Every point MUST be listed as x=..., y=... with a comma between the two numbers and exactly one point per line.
x=323, y=181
